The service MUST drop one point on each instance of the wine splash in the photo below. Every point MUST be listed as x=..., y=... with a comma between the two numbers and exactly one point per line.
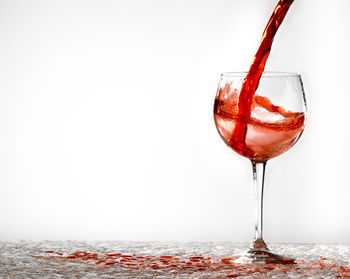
x=251, y=81
x=271, y=130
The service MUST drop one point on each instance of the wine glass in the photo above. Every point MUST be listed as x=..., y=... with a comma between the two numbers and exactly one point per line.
x=276, y=120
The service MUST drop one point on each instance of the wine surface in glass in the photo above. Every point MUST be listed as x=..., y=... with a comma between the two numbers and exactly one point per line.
x=271, y=130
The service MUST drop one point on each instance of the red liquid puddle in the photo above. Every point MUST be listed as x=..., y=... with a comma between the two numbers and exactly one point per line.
x=198, y=263
x=251, y=81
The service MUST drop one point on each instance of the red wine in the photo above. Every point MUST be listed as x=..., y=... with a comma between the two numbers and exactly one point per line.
x=270, y=131
x=251, y=82
x=224, y=267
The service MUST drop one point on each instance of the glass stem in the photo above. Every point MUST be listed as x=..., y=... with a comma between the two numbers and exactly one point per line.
x=259, y=176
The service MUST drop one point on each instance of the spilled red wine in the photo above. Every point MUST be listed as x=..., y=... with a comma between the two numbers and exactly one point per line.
x=216, y=266
x=233, y=125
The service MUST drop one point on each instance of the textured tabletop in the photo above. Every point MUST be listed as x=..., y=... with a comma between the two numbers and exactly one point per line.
x=73, y=259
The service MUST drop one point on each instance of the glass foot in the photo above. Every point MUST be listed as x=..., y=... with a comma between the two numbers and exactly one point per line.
x=260, y=254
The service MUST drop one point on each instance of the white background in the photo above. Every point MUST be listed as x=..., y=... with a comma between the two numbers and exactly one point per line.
x=106, y=127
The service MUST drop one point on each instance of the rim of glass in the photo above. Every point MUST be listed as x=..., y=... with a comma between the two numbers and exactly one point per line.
x=264, y=74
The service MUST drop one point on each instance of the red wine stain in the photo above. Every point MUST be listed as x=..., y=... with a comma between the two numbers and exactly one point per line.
x=251, y=81
x=199, y=263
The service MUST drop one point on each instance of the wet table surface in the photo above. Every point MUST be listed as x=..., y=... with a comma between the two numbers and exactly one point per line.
x=112, y=259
